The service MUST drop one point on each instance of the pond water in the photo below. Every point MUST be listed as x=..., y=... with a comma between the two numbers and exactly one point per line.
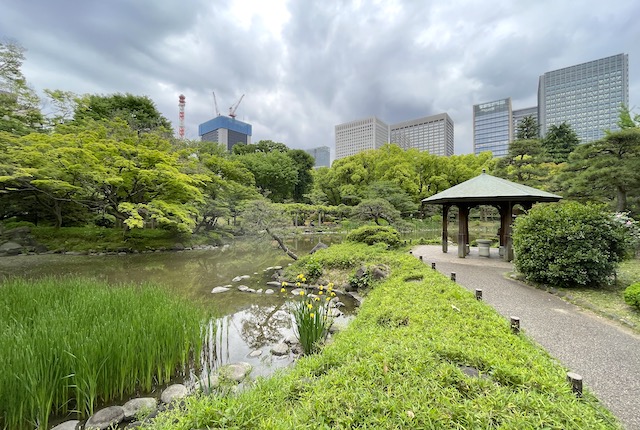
x=246, y=322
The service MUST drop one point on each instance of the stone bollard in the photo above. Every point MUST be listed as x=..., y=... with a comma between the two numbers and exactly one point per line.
x=421, y=258
x=453, y=276
x=433, y=266
x=478, y=294
x=575, y=381
x=515, y=325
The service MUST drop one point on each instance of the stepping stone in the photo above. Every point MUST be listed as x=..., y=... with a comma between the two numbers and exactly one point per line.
x=105, y=418
x=280, y=349
x=256, y=353
x=146, y=405
x=67, y=425
x=217, y=290
x=235, y=372
x=174, y=392
x=269, y=291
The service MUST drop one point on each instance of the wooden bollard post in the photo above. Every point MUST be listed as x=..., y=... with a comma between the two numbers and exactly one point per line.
x=478, y=294
x=421, y=258
x=576, y=383
x=433, y=266
x=515, y=325
x=453, y=276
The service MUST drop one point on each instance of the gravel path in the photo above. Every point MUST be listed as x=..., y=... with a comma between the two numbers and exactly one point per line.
x=606, y=355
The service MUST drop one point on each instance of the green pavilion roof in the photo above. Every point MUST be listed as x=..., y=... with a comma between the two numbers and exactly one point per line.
x=487, y=189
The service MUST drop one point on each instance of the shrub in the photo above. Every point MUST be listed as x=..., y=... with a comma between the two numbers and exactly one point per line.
x=632, y=295
x=568, y=244
x=371, y=234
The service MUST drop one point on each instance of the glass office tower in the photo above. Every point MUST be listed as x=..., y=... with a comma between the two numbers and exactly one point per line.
x=493, y=127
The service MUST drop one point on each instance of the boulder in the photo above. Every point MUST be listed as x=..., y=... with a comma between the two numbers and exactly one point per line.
x=11, y=248
x=280, y=349
x=174, y=392
x=210, y=382
x=243, y=288
x=235, y=372
x=240, y=278
x=217, y=290
x=105, y=418
x=256, y=353
x=178, y=247
x=275, y=284
x=380, y=271
x=67, y=425
x=142, y=405
x=318, y=247
x=269, y=291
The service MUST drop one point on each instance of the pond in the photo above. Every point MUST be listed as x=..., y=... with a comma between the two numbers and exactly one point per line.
x=246, y=322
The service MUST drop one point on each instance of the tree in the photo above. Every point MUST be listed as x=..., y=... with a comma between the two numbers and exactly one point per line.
x=19, y=105
x=264, y=146
x=377, y=209
x=139, y=112
x=304, y=163
x=525, y=164
x=560, y=141
x=528, y=129
x=275, y=173
x=262, y=215
x=394, y=194
x=607, y=169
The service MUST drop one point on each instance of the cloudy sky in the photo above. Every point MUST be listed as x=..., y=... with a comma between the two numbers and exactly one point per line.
x=305, y=66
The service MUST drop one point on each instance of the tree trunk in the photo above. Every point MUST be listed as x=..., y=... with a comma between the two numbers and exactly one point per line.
x=621, y=199
x=282, y=245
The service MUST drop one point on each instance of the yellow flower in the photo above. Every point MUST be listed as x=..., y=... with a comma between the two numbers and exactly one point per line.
x=321, y=287
x=300, y=276
x=326, y=299
x=317, y=299
x=309, y=305
x=320, y=292
x=284, y=283
x=312, y=315
x=304, y=279
x=302, y=293
x=333, y=294
x=282, y=290
x=330, y=285
x=297, y=284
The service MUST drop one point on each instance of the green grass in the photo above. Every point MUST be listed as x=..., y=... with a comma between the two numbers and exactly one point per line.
x=66, y=344
x=608, y=300
x=399, y=365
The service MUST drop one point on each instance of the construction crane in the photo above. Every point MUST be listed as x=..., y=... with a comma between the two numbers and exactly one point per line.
x=215, y=102
x=232, y=109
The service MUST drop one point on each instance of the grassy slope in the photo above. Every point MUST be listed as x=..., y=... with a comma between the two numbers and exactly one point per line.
x=397, y=366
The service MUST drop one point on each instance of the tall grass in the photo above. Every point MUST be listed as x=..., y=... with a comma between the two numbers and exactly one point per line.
x=67, y=344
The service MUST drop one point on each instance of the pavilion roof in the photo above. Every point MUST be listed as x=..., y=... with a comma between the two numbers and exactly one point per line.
x=487, y=189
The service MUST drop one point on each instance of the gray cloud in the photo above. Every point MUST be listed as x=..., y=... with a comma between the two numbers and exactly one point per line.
x=332, y=62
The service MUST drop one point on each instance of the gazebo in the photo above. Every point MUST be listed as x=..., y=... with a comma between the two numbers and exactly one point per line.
x=486, y=190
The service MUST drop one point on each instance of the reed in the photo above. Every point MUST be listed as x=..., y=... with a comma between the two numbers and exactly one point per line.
x=67, y=344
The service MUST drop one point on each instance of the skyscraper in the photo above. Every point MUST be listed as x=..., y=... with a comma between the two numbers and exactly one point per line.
x=587, y=96
x=520, y=114
x=355, y=136
x=493, y=127
x=226, y=131
x=433, y=134
x=321, y=155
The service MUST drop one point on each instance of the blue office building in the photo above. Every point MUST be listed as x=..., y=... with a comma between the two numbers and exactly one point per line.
x=321, y=155
x=226, y=131
x=493, y=127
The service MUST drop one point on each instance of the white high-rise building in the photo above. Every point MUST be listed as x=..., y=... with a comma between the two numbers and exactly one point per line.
x=433, y=134
x=356, y=136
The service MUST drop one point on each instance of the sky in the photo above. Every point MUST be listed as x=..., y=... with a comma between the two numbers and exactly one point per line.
x=306, y=66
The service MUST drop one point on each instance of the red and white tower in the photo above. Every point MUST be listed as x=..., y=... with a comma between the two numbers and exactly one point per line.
x=181, y=116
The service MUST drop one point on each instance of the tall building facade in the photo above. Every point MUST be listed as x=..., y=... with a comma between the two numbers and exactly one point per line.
x=433, y=134
x=356, y=136
x=226, y=131
x=587, y=96
x=321, y=155
x=493, y=127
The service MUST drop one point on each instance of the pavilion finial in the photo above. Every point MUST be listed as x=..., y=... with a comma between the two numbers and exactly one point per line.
x=484, y=171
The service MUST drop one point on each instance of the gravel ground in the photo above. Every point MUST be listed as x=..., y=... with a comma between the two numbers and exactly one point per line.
x=605, y=354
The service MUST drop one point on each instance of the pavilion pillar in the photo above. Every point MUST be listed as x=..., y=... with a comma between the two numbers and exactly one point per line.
x=508, y=246
x=445, y=228
x=463, y=230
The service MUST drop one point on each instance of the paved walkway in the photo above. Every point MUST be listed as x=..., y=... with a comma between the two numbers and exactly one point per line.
x=605, y=354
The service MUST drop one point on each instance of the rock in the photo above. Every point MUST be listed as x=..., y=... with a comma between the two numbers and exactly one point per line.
x=277, y=267
x=17, y=233
x=242, y=288
x=269, y=291
x=338, y=325
x=67, y=425
x=291, y=339
x=105, y=418
x=174, y=392
x=297, y=291
x=280, y=349
x=240, y=278
x=249, y=290
x=274, y=284
x=134, y=425
x=209, y=383
x=178, y=247
x=142, y=405
x=318, y=247
x=235, y=372
x=380, y=272
x=259, y=291
x=217, y=290
x=11, y=248
x=256, y=353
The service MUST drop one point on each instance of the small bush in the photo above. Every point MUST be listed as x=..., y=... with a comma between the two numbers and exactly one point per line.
x=313, y=269
x=568, y=244
x=371, y=234
x=632, y=295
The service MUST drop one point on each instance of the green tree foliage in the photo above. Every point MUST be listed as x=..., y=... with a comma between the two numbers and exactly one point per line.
x=376, y=210
x=264, y=146
x=560, y=141
x=526, y=163
x=276, y=174
x=140, y=112
x=304, y=163
x=264, y=216
x=372, y=234
x=607, y=169
x=19, y=105
x=568, y=244
x=527, y=129
x=394, y=194
x=632, y=295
